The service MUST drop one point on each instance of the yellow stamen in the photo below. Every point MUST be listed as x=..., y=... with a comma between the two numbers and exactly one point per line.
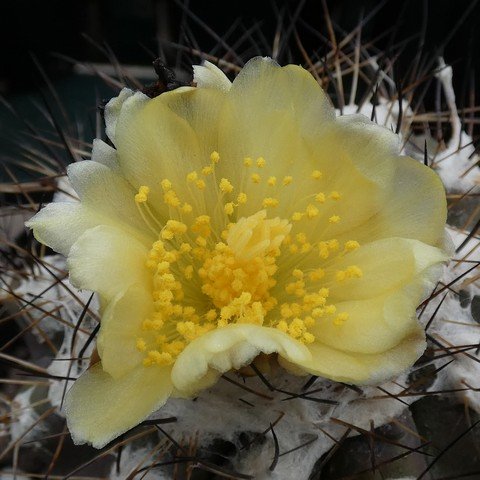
x=269, y=202
x=297, y=216
x=312, y=211
x=255, y=178
x=233, y=264
x=200, y=184
x=351, y=245
x=142, y=195
x=340, y=319
x=192, y=176
x=228, y=208
x=335, y=195
x=215, y=157
x=242, y=198
x=225, y=186
x=166, y=184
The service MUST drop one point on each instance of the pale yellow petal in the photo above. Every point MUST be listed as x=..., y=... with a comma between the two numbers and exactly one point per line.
x=107, y=260
x=373, y=326
x=269, y=112
x=120, y=327
x=209, y=75
x=357, y=160
x=263, y=88
x=417, y=206
x=106, y=199
x=287, y=107
x=104, y=154
x=386, y=265
x=361, y=368
x=377, y=324
x=371, y=147
x=59, y=225
x=153, y=141
x=114, y=107
x=110, y=197
x=231, y=347
x=98, y=407
x=200, y=108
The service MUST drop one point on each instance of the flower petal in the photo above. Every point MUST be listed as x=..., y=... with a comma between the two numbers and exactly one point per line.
x=362, y=368
x=209, y=75
x=200, y=108
x=106, y=199
x=110, y=197
x=417, y=206
x=263, y=87
x=98, y=407
x=104, y=154
x=287, y=106
x=175, y=128
x=120, y=327
x=371, y=147
x=367, y=152
x=387, y=265
x=114, y=107
x=107, y=260
x=380, y=323
x=281, y=104
x=231, y=347
x=373, y=325
x=59, y=225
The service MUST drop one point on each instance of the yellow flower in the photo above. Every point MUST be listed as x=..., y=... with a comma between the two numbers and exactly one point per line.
x=238, y=218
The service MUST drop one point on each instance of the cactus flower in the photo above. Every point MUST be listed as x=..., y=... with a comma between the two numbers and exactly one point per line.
x=232, y=219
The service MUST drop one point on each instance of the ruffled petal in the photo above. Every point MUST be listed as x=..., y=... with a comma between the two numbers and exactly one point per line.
x=287, y=107
x=386, y=266
x=209, y=75
x=107, y=260
x=231, y=347
x=263, y=88
x=58, y=225
x=104, y=154
x=200, y=108
x=367, y=152
x=269, y=113
x=120, y=327
x=361, y=368
x=173, y=129
x=415, y=207
x=98, y=407
x=114, y=107
x=373, y=326
x=109, y=196
x=378, y=324
x=371, y=147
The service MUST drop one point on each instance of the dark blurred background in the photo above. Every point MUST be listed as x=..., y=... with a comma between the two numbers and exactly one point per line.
x=52, y=34
x=132, y=29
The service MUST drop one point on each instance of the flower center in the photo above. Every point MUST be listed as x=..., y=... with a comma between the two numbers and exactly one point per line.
x=246, y=264
x=208, y=273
